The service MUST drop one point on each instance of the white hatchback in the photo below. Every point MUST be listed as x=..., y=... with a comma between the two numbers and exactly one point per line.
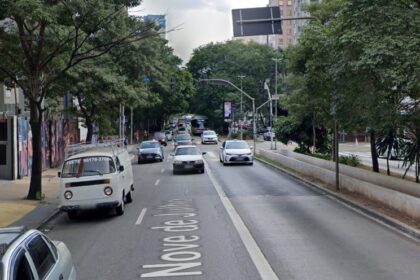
x=188, y=158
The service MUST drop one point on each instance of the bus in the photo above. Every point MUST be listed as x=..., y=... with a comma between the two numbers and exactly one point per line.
x=198, y=124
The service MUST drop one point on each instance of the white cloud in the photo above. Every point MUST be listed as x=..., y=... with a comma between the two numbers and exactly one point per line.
x=201, y=21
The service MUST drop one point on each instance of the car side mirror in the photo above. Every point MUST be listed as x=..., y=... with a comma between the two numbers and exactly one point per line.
x=121, y=169
x=172, y=154
x=252, y=147
x=204, y=153
x=59, y=174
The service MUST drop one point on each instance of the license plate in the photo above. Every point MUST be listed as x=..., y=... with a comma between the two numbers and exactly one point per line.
x=188, y=166
x=149, y=156
x=239, y=158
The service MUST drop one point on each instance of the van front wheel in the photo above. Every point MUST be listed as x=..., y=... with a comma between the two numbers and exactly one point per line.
x=130, y=196
x=120, y=209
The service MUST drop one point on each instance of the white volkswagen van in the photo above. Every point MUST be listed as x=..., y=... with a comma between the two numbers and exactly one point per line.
x=96, y=177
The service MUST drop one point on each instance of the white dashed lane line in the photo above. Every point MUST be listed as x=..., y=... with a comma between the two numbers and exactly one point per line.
x=141, y=216
x=162, y=170
x=157, y=182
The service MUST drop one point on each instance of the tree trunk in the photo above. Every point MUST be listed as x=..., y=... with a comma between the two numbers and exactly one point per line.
x=35, y=187
x=314, y=138
x=89, y=135
x=375, y=163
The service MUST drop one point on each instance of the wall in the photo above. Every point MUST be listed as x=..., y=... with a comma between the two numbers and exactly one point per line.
x=352, y=181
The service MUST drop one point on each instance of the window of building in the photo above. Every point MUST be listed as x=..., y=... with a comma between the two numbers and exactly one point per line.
x=289, y=3
x=281, y=3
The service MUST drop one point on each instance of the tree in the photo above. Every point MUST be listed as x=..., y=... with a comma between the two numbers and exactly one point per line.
x=42, y=40
x=227, y=61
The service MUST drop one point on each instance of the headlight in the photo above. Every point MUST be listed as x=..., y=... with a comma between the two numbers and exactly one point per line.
x=108, y=191
x=68, y=195
x=177, y=162
x=200, y=161
x=249, y=154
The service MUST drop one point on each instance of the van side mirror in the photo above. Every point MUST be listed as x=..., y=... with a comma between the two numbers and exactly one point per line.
x=121, y=169
x=59, y=174
x=204, y=153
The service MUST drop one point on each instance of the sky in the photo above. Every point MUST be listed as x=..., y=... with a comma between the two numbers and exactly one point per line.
x=199, y=22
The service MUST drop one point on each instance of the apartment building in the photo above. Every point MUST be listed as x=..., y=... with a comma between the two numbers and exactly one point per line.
x=298, y=12
x=282, y=41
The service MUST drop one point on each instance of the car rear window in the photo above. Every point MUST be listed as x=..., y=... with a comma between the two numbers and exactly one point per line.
x=88, y=166
x=183, y=137
x=208, y=133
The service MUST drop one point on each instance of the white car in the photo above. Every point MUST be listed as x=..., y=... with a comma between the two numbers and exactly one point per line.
x=31, y=255
x=188, y=158
x=96, y=178
x=235, y=151
x=209, y=136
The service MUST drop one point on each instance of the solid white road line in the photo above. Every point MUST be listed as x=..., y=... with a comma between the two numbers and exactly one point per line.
x=157, y=182
x=261, y=263
x=141, y=216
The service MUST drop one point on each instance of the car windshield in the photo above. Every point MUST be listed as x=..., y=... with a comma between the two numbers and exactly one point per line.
x=209, y=133
x=237, y=145
x=186, y=151
x=182, y=137
x=88, y=166
x=149, y=145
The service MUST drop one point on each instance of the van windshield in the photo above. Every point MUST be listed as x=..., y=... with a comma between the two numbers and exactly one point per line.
x=88, y=166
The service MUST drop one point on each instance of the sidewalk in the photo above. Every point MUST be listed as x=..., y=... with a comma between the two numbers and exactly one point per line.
x=16, y=210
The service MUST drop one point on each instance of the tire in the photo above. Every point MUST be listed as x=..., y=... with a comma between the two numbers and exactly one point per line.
x=72, y=214
x=121, y=208
x=130, y=197
x=203, y=170
x=174, y=172
x=251, y=163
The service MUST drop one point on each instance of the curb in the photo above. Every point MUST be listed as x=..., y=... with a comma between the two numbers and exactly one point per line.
x=380, y=218
x=48, y=218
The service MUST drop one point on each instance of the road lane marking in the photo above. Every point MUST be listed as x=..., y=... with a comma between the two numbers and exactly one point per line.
x=264, y=269
x=157, y=182
x=162, y=170
x=211, y=154
x=141, y=216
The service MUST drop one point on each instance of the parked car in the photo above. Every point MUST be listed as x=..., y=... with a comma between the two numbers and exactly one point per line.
x=149, y=151
x=182, y=139
x=235, y=151
x=209, y=136
x=160, y=137
x=96, y=178
x=29, y=254
x=188, y=158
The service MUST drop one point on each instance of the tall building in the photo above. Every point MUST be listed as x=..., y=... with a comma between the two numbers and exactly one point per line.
x=298, y=12
x=160, y=21
x=283, y=40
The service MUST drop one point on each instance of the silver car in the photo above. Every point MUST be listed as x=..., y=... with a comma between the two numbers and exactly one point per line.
x=150, y=151
x=209, y=136
x=31, y=255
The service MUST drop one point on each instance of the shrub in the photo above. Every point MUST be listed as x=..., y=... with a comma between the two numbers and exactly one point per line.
x=350, y=160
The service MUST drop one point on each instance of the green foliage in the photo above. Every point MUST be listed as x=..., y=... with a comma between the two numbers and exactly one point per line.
x=350, y=160
x=228, y=61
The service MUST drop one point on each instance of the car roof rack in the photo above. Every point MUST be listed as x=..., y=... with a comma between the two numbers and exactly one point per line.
x=116, y=146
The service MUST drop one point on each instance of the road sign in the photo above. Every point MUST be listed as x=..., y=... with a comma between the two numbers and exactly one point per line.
x=256, y=21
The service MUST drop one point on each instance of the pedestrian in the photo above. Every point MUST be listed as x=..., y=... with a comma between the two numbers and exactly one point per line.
x=125, y=142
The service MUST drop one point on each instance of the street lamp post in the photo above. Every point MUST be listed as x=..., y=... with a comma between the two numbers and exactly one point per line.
x=271, y=113
x=247, y=95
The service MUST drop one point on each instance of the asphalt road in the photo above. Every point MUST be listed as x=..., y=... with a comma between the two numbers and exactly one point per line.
x=184, y=223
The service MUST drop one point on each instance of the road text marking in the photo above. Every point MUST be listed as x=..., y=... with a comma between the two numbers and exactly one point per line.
x=141, y=216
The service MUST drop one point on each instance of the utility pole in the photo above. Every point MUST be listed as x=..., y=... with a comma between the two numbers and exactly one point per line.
x=241, y=119
x=276, y=103
x=131, y=126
